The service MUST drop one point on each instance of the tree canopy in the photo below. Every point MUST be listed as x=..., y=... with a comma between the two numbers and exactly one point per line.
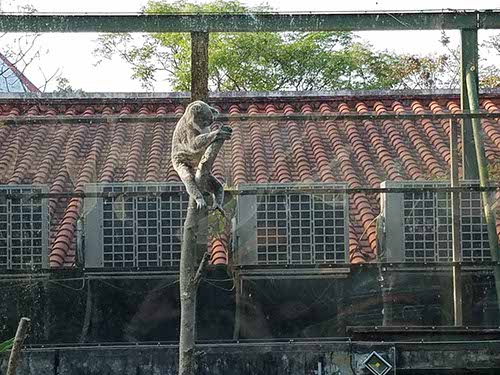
x=276, y=61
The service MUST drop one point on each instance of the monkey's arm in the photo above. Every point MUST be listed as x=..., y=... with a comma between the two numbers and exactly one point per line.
x=202, y=141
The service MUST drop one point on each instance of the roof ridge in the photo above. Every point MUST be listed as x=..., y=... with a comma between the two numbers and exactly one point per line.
x=138, y=96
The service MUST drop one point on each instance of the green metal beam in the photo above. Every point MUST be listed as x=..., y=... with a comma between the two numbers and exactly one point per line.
x=469, y=64
x=248, y=22
x=488, y=198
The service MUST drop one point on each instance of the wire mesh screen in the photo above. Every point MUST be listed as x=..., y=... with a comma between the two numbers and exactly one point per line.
x=293, y=228
x=475, y=245
x=421, y=227
x=330, y=228
x=272, y=229
x=23, y=227
x=136, y=230
x=418, y=225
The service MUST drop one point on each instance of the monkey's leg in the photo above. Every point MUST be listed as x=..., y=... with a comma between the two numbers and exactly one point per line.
x=187, y=176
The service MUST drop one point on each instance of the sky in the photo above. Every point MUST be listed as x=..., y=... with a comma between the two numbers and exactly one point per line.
x=72, y=54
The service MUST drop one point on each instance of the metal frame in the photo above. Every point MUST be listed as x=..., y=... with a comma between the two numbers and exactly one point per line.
x=96, y=238
x=97, y=119
x=392, y=212
x=468, y=21
x=200, y=25
x=249, y=22
x=7, y=216
x=379, y=357
x=246, y=238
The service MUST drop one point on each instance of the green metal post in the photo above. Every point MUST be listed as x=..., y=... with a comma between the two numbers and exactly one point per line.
x=455, y=229
x=482, y=162
x=469, y=60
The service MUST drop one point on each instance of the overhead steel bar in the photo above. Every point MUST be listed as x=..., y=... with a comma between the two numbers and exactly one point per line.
x=295, y=190
x=249, y=22
x=96, y=119
x=384, y=266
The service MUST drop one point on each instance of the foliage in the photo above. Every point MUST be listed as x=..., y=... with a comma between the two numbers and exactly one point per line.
x=277, y=61
x=490, y=75
x=494, y=43
x=64, y=87
x=220, y=225
x=254, y=61
x=6, y=345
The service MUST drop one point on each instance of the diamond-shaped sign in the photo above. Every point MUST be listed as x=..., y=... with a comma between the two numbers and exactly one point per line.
x=376, y=364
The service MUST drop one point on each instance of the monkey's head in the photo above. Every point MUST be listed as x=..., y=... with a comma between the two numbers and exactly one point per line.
x=201, y=113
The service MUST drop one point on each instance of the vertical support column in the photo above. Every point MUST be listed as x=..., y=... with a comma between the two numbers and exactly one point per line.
x=238, y=281
x=194, y=255
x=469, y=62
x=487, y=196
x=455, y=229
x=199, y=66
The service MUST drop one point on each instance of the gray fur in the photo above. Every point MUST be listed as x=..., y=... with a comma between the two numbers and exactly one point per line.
x=190, y=140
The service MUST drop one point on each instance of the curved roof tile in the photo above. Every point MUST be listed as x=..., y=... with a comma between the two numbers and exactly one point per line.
x=361, y=153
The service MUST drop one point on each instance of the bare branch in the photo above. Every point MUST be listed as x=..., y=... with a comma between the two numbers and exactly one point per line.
x=201, y=269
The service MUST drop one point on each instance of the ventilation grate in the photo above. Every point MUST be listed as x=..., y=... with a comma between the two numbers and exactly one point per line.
x=136, y=230
x=272, y=229
x=292, y=228
x=23, y=227
x=418, y=224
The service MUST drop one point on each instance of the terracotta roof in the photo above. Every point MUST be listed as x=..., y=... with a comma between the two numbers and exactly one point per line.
x=361, y=153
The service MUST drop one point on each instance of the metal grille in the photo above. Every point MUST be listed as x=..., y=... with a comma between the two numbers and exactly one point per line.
x=23, y=228
x=272, y=229
x=419, y=226
x=475, y=245
x=426, y=224
x=137, y=231
x=330, y=228
x=292, y=228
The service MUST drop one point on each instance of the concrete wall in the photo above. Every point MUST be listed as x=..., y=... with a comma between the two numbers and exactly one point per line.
x=216, y=360
x=305, y=358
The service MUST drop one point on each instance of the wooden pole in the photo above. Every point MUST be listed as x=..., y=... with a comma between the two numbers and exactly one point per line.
x=192, y=268
x=189, y=280
x=22, y=331
x=455, y=229
x=193, y=259
x=482, y=163
x=199, y=66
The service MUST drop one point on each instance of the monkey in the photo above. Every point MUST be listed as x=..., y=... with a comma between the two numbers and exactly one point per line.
x=191, y=138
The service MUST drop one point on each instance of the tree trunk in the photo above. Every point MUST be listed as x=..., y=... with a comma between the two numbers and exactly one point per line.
x=199, y=66
x=22, y=331
x=188, y=290
x=194, y=257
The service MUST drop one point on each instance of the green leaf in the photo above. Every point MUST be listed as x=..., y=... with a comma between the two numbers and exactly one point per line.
x=268, y=61
x=6, y=345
